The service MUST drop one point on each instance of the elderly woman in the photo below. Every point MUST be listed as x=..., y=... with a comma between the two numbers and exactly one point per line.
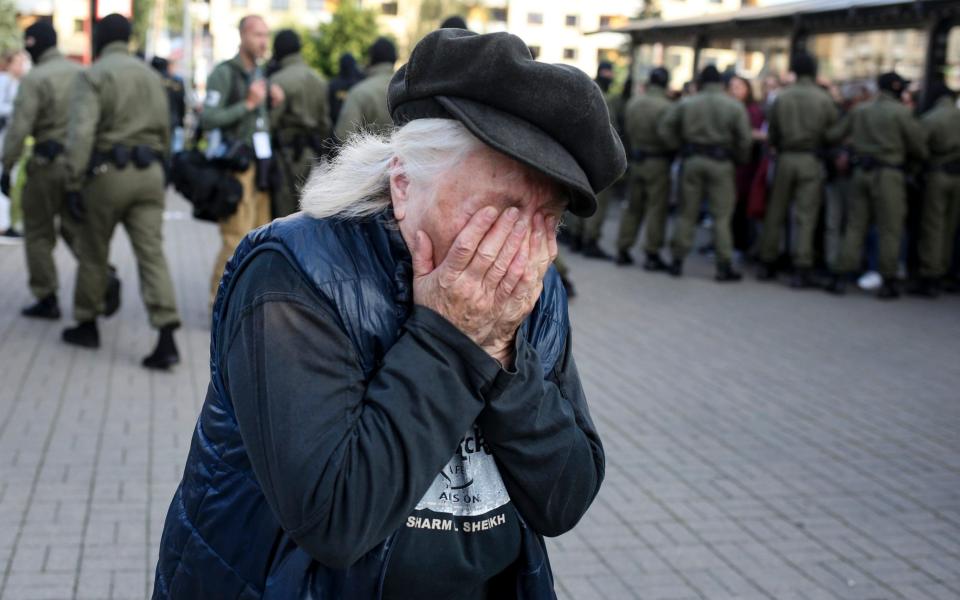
x=394, y=410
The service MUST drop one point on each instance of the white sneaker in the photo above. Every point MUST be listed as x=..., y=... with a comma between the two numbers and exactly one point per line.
x=870, y=281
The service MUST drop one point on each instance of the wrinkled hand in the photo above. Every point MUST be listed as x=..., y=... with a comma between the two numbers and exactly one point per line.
x=276, y=95
x=76, y=207
x=5, y=184
x=256, y=93
x=542, y=252
x=477, y=278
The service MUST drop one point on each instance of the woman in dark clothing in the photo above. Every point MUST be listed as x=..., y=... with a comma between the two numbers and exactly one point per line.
x=743, y=228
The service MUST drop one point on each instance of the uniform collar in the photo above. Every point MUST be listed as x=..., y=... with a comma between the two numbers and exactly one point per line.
x=380, y=69
x=118, y=47
x=48, y=55
x=805, y=80
x=713, y=88
x=945, y=102
x=887, y=96
x=656, y=90
x=237, y=62
x=291, y=59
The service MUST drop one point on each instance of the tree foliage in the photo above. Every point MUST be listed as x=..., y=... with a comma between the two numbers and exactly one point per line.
x=10, y=35
x=352, y=29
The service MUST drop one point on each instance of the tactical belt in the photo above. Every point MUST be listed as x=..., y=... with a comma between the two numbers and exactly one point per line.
x=121, y=155
x=712, y=152
x=298, y=142
x=869, y=163
x=642, y=155
x=950, y=168
x=49, y=149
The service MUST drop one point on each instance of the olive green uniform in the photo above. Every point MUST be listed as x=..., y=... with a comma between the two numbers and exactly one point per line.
x=225, y=109
x=40, y=109
x=120, y=101
x=649, y=171
x=592, y=225
x=799, y=121
x=710, y=122
x=365, y=108
x=300, y=125
x=882, y=134
x=940, y=216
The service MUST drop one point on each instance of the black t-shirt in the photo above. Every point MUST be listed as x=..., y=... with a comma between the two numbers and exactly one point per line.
x=465, y=522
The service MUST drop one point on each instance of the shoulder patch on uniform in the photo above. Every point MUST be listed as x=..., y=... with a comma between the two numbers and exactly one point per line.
x=213, y=98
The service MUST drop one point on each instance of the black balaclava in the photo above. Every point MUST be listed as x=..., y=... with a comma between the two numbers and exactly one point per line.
x=38, y=38
x=804, y=65
x=160, y=65
x=383, y=51
x=348, y=69
x=111, y=28
x=891, y=82
x=454, y=22
x=709, y=74
x=285, y=43
x=602, y=80
x=659, y=77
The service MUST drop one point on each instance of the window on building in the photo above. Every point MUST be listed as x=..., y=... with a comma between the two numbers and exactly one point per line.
x=535, y=18
x=606, y=20
x=317, y=5
x=238, y=3
x=573, y=20
x=78, y=25
x=535, y=51
x=390, y=8
x=498, y=15
x=569, y=54
x=280, y=4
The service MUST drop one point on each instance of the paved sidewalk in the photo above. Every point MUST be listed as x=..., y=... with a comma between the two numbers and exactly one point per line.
x=761, y=443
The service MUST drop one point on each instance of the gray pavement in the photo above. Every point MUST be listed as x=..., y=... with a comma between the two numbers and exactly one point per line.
x=761, y=443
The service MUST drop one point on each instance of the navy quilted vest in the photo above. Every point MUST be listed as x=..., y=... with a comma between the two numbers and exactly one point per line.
x=220, y=539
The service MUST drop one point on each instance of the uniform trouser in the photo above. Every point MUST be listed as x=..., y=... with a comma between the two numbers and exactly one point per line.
x=295, y=171
x=43, y=207
x=649, y=196
x=798, y=178
x=940, y=218
x=252, y=212
x=877, y=195
x=837, y=192
x=701, y=176
x=593, y=224
x=135, y=198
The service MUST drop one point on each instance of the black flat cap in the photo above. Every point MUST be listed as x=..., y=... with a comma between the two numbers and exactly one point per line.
x=552, y=118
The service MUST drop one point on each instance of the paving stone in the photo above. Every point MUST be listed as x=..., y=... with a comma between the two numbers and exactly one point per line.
x=760, y=443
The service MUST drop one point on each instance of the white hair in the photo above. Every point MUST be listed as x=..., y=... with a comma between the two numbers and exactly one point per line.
x=356, y=183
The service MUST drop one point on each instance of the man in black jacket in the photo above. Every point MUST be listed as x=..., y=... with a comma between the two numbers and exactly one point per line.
x=395, y=410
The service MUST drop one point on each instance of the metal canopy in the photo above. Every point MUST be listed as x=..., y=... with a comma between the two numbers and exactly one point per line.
x=808, y=16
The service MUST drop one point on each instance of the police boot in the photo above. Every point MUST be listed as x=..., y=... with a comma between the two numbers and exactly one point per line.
x=890, y=290
x=726, y=273
x=950, y=285
x=45, y=308
x=165, y=355
x=592, y=250
x=676, y=268
x=767, y=272
x=837, y=285
x=927, y=287
x=85, y=335
x=654, y=262
x=803, y=279
x=624, y=258
x=111, y=297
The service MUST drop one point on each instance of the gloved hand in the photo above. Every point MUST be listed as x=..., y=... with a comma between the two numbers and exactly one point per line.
x=76, y=207
x=5, y=184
